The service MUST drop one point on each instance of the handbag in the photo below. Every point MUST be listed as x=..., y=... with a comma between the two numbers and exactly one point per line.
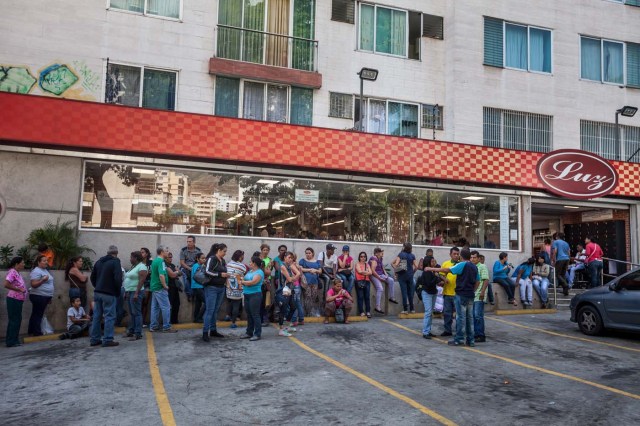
x=362, y=284
x=201, y=277
x=73, y=291
x=402, y=266
x=303, y=282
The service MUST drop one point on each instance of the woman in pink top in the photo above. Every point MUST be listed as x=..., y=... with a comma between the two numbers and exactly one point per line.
x=15, y=300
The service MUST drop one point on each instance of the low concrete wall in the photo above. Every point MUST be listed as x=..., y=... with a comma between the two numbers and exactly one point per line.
x=56, y=312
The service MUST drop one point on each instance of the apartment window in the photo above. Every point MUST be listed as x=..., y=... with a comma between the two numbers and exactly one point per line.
x=517, y=46
x=340, y=105
x=166, y=8
x=224, y=204
x=602, y=60
x=432, y=117
x=517, y=130
x=278, y=32
x=141, y=86
x=600, y=138
x=389, y=117
x=263, y=101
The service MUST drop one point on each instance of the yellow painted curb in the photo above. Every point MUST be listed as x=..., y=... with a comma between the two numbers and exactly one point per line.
x=192, y=326
x=525, y=311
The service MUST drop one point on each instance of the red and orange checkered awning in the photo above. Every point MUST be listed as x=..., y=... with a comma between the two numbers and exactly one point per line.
x=90, y=126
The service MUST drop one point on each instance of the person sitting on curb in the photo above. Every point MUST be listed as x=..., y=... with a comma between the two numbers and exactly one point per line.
x=77, y=320
x=540, y=280
x=522, y=276
x=338, y=298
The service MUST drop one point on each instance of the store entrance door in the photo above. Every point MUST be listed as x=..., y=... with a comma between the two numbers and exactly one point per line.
x=609, y=227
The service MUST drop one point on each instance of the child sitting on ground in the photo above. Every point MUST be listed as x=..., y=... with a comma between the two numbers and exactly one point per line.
x=77, y=320
x=337, y=298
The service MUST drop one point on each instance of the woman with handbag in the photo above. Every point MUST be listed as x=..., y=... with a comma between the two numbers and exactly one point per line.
x=77, y=280
x=404, y=264
x=40, y=294
x=297, y=316
x=287, y=278
x=15, y=299
x=428, y=285
x=363, y=287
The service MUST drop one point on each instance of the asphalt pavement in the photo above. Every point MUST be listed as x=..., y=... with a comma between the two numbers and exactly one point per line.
x=533, y=369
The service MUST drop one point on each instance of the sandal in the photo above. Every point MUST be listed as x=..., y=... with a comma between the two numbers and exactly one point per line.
x=380, y=311
x=362, y=314
x=368, y=314
x=326, y=322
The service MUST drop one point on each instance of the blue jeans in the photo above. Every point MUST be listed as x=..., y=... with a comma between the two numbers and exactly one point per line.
x=406, y=287
x=103, y=304
x=595, y=270
x=213, y=296
x=135, y=313
x=464, y=319
x=348, y=281
x=509, y=287
x=252, y=303
x=447, y=312
x=364, y=298
x=284, y=303
x=186, y=280
x=478, y=319
x=542, y=288
x=298, y=315
x=160, y=305
x=572, y=272
x=120, y=307
x=429, y=301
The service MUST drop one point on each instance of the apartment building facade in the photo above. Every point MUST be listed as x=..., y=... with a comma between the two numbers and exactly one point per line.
x=271, y=88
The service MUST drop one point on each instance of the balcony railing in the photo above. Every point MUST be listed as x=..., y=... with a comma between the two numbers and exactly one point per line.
x=265, y=48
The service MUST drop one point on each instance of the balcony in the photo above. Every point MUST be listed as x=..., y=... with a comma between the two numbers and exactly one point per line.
x=266, y=56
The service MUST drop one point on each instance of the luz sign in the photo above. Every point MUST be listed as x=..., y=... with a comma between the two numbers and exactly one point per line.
x=578, y=175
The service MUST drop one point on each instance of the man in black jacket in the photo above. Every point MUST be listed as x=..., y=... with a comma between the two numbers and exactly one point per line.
x=106, y=278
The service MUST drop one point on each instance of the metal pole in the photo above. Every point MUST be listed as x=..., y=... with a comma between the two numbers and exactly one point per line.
x=618, y=133
x=361, y=127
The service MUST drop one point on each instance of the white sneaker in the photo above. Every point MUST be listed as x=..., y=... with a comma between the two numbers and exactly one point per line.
x=291, y=329
x=403, y=312
x=413, y=312
x=284, y=333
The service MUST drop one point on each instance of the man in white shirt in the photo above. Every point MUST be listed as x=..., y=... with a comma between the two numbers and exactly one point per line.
x=329, y=263
x=579, y=265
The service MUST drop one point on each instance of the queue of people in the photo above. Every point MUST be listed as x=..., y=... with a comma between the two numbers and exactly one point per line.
x=281, y=290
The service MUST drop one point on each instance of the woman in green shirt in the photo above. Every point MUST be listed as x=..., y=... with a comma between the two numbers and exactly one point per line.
x=134, y=288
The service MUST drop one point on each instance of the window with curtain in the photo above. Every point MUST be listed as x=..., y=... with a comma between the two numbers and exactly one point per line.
x=159, y=90
x=517, y=130
x=432, y=116
x=604, y=60
x=227, y=98
x=263, y=101
x=383, y=30
x=340, y=105
x=389, y=117
x=265, y=32
x=527, y=48
x=600, y=138
x=518, y=46
x=165, y=8
x=124, y=84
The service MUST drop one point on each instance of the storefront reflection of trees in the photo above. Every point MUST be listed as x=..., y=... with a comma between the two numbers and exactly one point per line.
x=344, y=211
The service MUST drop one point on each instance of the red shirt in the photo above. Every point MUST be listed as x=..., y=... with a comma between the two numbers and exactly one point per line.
x=594, y=252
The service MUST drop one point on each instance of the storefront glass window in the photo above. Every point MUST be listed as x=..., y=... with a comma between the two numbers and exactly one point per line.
x=143, y=198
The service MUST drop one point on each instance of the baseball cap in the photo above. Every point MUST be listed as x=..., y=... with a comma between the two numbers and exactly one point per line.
x=331, y=247
x=345, y=248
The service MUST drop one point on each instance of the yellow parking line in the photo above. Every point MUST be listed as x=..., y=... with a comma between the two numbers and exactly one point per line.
x=530, y=367
x=568, y=336
x=377, y=384
x=166, y=413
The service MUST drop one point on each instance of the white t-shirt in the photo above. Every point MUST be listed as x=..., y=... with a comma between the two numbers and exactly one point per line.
x=328, y=261
x=75, y=314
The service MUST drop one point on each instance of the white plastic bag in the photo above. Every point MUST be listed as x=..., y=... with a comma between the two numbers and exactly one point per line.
x=439, y=306
x=45, y=327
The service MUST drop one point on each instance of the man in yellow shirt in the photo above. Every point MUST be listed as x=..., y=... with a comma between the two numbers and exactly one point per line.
x=449, y=291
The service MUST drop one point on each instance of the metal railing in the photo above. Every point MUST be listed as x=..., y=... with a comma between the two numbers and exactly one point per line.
x=623, y=262
x=261, y=47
